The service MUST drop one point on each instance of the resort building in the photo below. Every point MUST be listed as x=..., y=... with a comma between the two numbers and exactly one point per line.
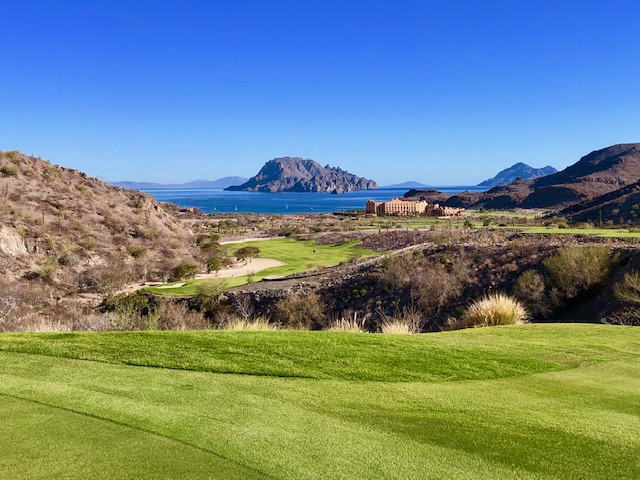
x=400, y=206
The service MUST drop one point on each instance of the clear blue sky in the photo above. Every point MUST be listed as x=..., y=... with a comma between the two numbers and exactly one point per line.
x=435, y=91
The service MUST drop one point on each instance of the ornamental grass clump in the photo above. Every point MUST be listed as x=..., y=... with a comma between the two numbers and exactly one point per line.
x=238, y=324
x=494, y=309
x=351, y=324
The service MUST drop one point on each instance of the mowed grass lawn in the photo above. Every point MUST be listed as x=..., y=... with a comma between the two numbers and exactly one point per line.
x=298, y=256
x=535, y=401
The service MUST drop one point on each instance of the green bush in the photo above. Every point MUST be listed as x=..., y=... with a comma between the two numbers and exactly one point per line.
x=575, y=269
x=530, y=288
x=209, y=294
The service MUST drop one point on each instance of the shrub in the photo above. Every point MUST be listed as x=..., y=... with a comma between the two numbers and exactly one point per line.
x=9, y=170
x=247, y=252
x=175, y=315
x=530, y=289
x=209, y=294
x=628, y=290
x=184, y=271
x=494, y=309
x=575, y=269
x=300, y=311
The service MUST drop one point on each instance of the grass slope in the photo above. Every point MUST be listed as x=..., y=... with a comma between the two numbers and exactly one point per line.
x=536, y=401
x=298, y=256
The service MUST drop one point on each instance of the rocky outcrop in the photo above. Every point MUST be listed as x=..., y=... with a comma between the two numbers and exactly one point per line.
x=295, y=174
x=519, y=170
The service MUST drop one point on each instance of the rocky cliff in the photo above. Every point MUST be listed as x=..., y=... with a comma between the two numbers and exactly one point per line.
x=295, y=174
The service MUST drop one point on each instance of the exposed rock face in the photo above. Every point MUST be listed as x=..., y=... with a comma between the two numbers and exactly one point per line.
x=295, y=174
x=519, y=170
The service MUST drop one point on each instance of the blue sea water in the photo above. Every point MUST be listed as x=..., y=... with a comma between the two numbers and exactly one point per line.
x=215, y=200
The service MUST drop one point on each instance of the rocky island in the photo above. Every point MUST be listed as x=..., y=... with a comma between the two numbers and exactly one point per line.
x=295, y=174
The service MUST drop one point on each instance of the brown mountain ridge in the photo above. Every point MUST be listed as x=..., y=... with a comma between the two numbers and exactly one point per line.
x=596, y=174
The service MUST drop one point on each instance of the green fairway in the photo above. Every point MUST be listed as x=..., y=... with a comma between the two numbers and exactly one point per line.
x=298, y=256
x=534, y=401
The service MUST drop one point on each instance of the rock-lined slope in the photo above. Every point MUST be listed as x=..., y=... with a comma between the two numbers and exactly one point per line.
x=619, y=207
x=598, y=173
x=223, y=182
x=295, y=174
x=75, y=232
x=519, y=170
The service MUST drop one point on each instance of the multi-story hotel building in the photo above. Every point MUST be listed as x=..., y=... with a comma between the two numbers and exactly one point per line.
x=399, y=206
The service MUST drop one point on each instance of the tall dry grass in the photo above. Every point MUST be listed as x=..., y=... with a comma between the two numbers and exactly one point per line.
x=348, y=324
x=242, y=324
x=491, y=310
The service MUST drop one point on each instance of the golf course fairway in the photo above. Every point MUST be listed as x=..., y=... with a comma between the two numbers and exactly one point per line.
x=532, y=401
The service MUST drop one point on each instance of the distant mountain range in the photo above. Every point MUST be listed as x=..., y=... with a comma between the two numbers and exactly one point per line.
x=406, y=185
x=605, y=180
x=223, y=182
x=295, y=174
x=519, y=170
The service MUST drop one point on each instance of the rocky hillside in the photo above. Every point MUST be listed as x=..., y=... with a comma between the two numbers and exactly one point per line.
x=519, y=170
x=75, y=233
x=599, y=173
x=620, y=207
x=295, y=174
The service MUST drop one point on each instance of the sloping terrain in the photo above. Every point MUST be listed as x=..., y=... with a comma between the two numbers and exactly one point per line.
x=295, y=174
x=536, y=401
x=63, y=227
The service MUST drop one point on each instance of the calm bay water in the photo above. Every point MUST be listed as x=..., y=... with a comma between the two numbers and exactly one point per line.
x=215, y=200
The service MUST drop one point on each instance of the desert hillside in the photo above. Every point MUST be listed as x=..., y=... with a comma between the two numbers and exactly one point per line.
x=70, y=231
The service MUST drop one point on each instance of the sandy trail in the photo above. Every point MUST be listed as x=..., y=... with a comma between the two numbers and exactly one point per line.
x=244, y=240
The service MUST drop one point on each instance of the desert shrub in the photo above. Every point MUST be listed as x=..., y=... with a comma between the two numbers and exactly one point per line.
x=494, y=309
x=530, y=289
x=209, y=294
x=575, y=269
x=432, y=283
x=136, y=250
x=88, y=243
x=9, y=170
x=176, y=315
x=48, y=268
x=238, y=323
x=184, y=271
x=300, y=311
x=136, y=311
